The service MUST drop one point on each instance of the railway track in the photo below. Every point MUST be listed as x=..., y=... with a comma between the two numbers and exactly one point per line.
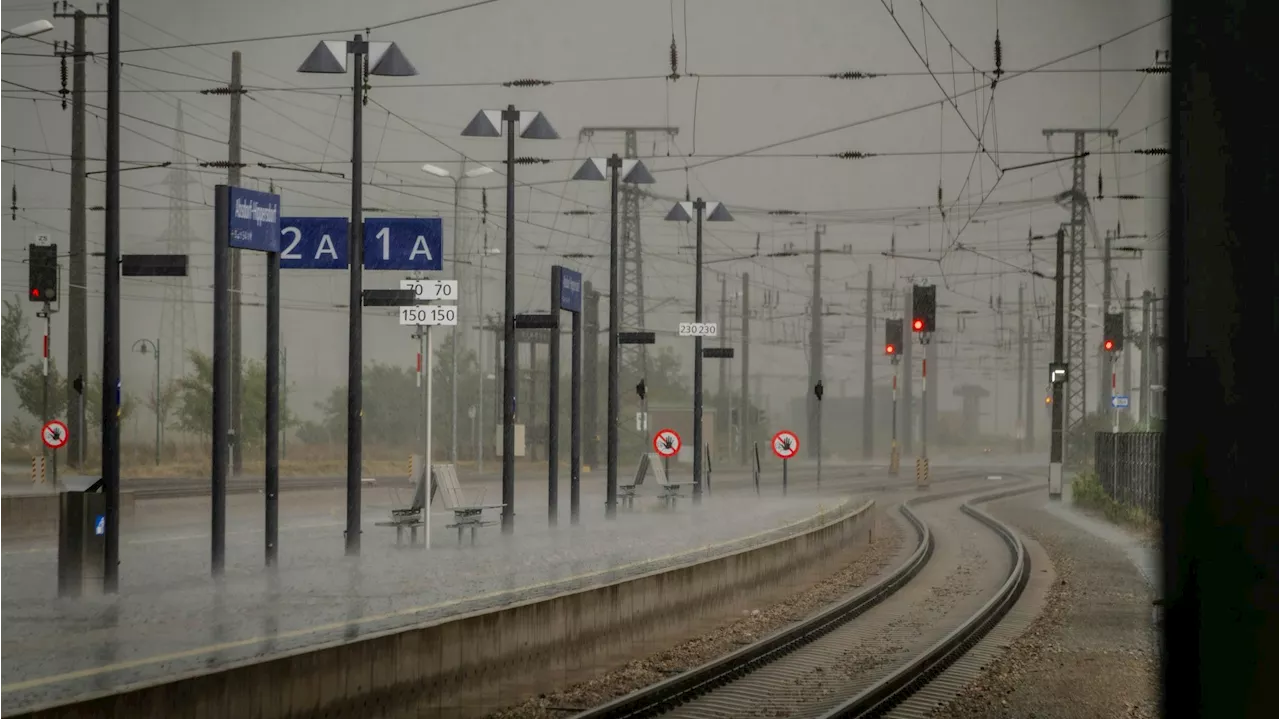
x=865, y=656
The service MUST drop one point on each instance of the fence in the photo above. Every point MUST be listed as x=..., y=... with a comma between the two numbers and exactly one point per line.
x=1130, y=468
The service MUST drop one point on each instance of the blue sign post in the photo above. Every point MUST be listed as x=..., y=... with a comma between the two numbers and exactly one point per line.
x=570, y=290
x=314, y=243
x=390, y=243
x=254, y=220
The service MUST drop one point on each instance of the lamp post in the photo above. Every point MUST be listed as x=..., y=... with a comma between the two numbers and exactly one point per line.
x=530, y=125
x=615, y=169
x=145, y=347
x=453, y=346
x=385, y=59
x=698, y=210
x=31, y=29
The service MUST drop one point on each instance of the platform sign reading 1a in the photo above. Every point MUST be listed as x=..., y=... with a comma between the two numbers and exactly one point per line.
x=666, y=443
x=785, y=444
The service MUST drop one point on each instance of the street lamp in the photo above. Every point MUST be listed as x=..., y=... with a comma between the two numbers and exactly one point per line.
x=616, y=170
x=145, y=347
x=385, y=59
x=31, y=29
x=453, y=346
x=530, y=125
x=480, y=352
x=711, y=212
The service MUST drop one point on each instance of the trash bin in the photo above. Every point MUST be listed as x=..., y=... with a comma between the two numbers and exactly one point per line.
x=82, y=529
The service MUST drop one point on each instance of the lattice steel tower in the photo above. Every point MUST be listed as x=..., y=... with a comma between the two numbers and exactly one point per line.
x=631, y=249
x=1077, y=327
x=177, y=313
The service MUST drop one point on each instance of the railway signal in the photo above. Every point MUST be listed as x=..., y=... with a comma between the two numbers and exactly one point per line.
x=923, y=307
x=42, y=273
x=1113, y=332
x=892, y=337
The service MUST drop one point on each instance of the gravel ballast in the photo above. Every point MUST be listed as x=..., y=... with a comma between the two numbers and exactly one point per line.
x=750, y=626
x=1092, y=652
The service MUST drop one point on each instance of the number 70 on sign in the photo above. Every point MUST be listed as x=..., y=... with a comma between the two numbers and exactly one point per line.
x=428, y=290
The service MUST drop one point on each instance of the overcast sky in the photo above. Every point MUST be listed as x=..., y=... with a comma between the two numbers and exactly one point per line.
x=608, y=59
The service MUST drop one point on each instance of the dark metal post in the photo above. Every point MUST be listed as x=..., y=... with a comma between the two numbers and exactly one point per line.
x=1145, y=363
x=511, y=117
x=907, y=430
x=1032, y=394
x=591, y=371
x=221, y=375
x=553, y=402
x=1022, y=362
x=722, y=368
x=698, y=207
x=815, y=347
x=615, y=320
x=784, y=477
x=236, y=281
x=158, y=404
x=868, y=396
x=111, y=311
x=355, y=338
x=271, y=467
x=745, y=403
x=1055, y=441
x=77, y=290
x=575, y=415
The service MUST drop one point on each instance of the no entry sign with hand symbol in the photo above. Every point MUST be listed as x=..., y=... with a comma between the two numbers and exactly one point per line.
x=786, y=444
x=54, y=434
x=666, y=442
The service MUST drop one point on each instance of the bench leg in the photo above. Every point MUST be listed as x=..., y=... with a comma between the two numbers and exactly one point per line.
x=413, y=536
x=473, y=536
x=459, y=534
x=399, y=536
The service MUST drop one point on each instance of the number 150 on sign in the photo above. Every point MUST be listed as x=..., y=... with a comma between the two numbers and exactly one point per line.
x=429, y=315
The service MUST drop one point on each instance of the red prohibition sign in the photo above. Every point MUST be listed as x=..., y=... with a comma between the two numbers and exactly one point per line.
x=785, y=444
x=666, y=442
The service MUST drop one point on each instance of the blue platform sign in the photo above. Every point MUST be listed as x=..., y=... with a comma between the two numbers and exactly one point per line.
x=570, y=290
x=253, y=220
x=314, y=243
x=403, y=243
x=100, y=525
x=1120, y=402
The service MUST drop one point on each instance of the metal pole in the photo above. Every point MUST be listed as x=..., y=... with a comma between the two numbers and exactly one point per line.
x=221, y=375
x=893, y=444
x=1022, y=367
x=591, y=372
x=111, y=310
x=510, y=116
x=907, y=431
x=868, y=397
x=426, y=509
x=698, y=207
x=271, y=462
x=453, y=335
x=284, y=399
x=1127, y=373
x=355, y=338
x=575, y=415
x=481, y=428
x=615, y=320
x=44, y=379
x=1105, y=359
x=815, y=346
x=158, y=416
x=1144, y=363
x=237, y=332
x=77, y=307
x=1055, y=438
x=1030, y=398
x=722, y=399
x=553, y=403
x=745, y=404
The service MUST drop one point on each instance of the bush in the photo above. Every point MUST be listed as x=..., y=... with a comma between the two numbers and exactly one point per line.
x=1087, y=492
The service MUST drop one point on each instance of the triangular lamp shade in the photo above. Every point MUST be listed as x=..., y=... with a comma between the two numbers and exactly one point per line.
x=594, y=169
x=537, y=128
x=719, y=213
x=680, y=213
x=635, y=173
x=391, y=63
x=486, y=123
x=326, y=58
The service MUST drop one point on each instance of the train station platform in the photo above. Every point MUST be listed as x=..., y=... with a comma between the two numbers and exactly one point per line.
x=170, y=618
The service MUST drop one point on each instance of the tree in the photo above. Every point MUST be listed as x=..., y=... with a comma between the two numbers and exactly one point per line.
x=29, y=385
x=15, y=335
x=390, y=408
x=193, y=400
x=93, y=402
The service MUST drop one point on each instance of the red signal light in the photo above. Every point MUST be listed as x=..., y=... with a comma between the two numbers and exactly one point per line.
x=35, y=292
x=890, y=349
x=1108, y=345
x=917, y=324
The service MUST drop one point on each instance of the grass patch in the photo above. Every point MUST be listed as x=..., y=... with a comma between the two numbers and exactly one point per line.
x=1087, y=493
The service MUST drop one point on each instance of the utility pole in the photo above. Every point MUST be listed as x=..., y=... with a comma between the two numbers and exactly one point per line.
x=591, y=371
x=77, y=307
x=1105, y=359
x=868, y=396
x=1031, y=399
x=1077, y=330
x=907, y=417
x=237, y=331
x=1144, y=365
x=815, y=345
x=1127, y=372
x=722, y=403
x=1022, y=366
x=1060, y=367
x=745, y=404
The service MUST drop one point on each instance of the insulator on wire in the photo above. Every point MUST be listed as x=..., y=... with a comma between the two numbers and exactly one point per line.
x=63, y=92
x=852, y=75
x=526, y=82
x=939, y=194
x=1100, y=184
x=999, y=56
x=484, y=206
x=675, y=60
x=853, y=155
x=1152, y=151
